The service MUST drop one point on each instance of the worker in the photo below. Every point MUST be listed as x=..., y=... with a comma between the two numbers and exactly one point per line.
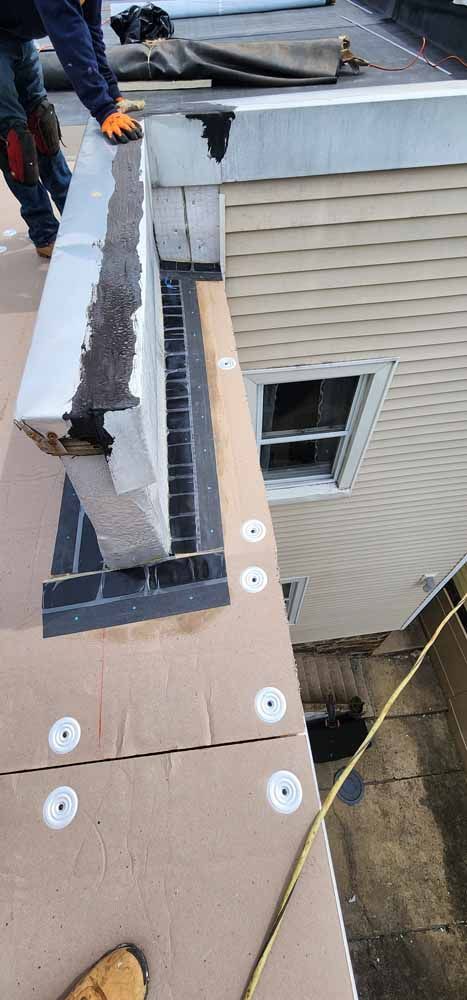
x=121, y=974
x=30, y=156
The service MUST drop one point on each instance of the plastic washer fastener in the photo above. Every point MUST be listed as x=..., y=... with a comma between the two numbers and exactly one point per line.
x=253, y=531
x=64, y=735
x=227, y=364
x=284, y=792
x=270, y=705
x=254, y=579
x=60, y=807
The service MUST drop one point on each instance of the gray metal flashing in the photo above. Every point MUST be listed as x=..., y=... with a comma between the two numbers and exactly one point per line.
x=314, y=133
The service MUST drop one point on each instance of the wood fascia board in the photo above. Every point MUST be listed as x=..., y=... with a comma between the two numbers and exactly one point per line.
x=353, y=130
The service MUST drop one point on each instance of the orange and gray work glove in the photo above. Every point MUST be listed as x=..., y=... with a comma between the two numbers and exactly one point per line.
x=119, y=127
x=126, y=105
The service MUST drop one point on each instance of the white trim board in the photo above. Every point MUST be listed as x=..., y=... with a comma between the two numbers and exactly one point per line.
x=434, y=592
x=299, y=587
x=325, y=132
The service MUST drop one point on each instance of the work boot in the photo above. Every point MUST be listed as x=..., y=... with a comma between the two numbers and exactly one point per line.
x=121, y=974
x=45, y=251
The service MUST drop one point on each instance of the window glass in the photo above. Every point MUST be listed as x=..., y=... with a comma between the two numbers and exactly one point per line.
x=290, y=407
x=300, y=458
x=286, y=589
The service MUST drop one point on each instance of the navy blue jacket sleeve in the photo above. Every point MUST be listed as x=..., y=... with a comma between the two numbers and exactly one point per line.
x=73, y=40
x=92, y=11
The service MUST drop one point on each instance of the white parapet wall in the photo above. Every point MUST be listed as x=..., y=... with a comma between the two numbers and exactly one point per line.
x=95, y=375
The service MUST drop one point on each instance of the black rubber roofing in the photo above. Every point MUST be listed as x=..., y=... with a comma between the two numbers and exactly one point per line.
x=373, y=32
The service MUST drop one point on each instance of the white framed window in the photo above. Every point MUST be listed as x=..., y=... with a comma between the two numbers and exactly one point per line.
x=313, y=424
x=294, y=591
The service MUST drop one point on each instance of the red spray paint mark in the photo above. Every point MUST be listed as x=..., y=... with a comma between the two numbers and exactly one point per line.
x=101, y=689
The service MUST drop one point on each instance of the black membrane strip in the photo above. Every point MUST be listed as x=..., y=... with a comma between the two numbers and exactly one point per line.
x=120, y=597
x=104, y=598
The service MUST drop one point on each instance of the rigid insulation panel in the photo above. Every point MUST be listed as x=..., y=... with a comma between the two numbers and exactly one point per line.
x=182, y=854
x=182, y=681
x=354, y=267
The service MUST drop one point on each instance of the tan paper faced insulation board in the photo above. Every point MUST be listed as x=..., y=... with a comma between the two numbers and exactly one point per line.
x=179, y=682
x=181, y=854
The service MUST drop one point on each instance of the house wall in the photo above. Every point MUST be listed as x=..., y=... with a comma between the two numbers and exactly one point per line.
x=352, y=267
x=449, y=654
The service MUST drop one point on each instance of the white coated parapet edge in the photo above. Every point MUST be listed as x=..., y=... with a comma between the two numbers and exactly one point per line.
x=317, y=132
x=125, y=494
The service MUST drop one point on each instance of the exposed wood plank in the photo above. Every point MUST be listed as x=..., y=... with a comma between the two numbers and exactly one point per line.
x=170, y=224
x=130, y=86
x=328, y=212
x=345, y=185
x=356, y=234
x=202, y=215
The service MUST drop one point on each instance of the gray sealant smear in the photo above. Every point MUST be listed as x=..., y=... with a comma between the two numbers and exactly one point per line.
x=107, y=361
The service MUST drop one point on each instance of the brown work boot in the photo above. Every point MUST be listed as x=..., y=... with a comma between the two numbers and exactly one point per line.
x=45, y=251
x=121, y=974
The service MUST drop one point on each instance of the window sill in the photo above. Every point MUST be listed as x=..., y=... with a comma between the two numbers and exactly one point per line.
x=278, y=495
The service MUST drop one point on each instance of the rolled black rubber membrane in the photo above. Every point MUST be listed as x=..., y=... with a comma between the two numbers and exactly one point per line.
x=247, y=64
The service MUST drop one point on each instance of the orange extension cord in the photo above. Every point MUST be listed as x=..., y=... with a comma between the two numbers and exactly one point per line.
x=419, y=55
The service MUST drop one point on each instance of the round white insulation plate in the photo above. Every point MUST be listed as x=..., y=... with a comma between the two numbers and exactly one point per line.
x=60, y=807
x=227, y=364
x=64, y=735
x=284, y=792
x=270, y=705
x=254, y=579
x=253, y=531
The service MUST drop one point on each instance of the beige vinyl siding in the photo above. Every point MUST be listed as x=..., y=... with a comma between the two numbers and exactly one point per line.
x=359, y=267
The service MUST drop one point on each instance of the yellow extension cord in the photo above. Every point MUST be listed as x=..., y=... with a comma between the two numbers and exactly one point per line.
x=320, y=816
